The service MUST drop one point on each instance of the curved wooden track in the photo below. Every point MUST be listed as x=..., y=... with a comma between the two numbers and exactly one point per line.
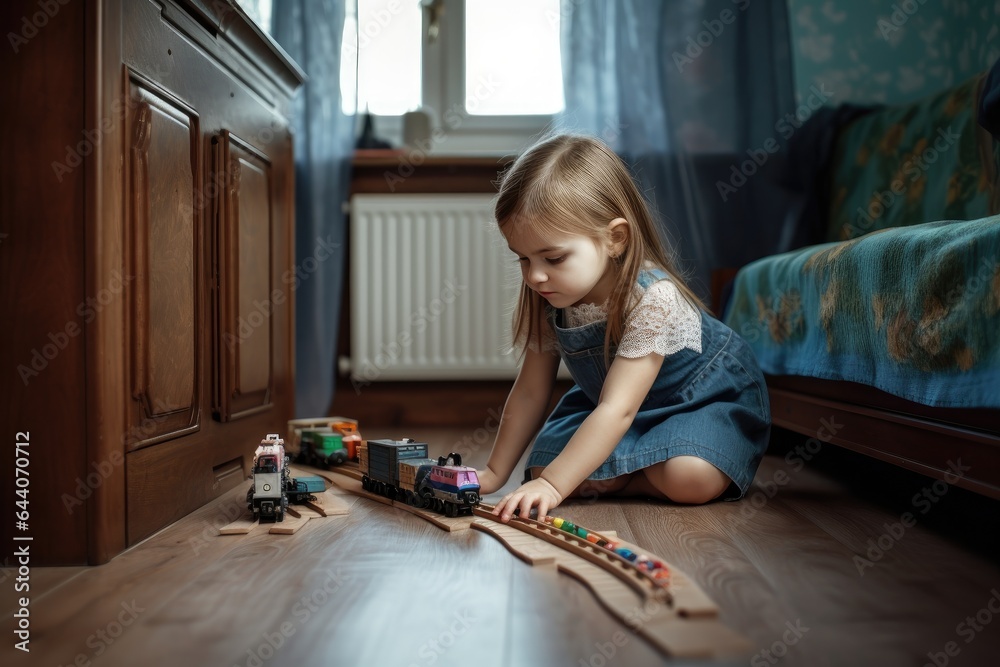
x=677, y=619
x=608, y=560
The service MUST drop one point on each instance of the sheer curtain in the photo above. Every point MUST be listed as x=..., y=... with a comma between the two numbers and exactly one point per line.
x=311, y=31
x=693, y=95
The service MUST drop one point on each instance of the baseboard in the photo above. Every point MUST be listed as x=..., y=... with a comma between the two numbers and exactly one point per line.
x=427, y=404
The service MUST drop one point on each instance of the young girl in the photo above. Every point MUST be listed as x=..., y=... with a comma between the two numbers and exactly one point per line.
x=668, y=401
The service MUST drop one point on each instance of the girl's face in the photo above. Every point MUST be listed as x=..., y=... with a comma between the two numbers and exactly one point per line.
x=566, y=270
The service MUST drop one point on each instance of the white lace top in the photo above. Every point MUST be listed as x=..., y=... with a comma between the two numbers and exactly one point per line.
x=662, y=322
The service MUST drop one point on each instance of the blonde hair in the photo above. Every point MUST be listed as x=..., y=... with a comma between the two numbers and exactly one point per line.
x=576, y=185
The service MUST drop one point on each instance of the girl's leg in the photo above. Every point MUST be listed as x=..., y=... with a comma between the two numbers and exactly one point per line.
x=595, y=488
x=683, y=479
x=687, y=479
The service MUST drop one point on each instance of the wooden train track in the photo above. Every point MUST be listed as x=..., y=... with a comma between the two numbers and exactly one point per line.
x=675, y=615
x=694, y=601
x=318, y=506
x=604, y=558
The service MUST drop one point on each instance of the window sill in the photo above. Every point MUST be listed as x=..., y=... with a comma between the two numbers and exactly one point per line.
x=406, y=171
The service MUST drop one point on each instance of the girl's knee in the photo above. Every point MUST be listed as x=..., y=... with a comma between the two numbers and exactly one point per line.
x=688, y=479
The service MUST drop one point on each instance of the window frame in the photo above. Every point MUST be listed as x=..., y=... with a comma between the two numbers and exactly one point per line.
x=443, y=91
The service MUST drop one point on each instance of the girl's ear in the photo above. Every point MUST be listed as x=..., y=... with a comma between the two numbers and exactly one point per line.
x=618, y=234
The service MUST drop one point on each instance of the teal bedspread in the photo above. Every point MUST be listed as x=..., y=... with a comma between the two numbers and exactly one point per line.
x=914, y=311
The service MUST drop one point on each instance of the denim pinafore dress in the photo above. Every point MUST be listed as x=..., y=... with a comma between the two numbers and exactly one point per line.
x=711, y=404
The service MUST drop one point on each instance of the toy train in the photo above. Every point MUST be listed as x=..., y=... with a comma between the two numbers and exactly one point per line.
x=327, y=442
x=400, y=470
x=273, y=486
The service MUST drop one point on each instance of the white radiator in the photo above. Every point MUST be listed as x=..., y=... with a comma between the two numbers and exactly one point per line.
x=432, y=289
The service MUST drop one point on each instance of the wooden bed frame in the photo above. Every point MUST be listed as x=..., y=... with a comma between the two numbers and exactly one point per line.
x=875, y=423
x=931, y=441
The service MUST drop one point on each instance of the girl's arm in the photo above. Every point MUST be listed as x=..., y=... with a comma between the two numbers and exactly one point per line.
x=625, y=388
x=522, y=417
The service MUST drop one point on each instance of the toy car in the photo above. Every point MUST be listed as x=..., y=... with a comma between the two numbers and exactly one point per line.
x=400, y=470
x=273, y=486
x=322, y=447
x=324, y=441
x=348, y=429
x=267, y=497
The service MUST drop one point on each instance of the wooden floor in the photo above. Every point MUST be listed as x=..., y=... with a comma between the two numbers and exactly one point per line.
x=382, y=587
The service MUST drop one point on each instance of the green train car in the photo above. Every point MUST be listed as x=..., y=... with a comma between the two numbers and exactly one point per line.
x=322, y=447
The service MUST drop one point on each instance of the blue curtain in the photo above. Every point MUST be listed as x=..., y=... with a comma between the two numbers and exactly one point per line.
x=693, y=95
x=311, y=31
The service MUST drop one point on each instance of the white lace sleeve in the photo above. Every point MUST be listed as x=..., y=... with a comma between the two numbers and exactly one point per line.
x=549, y=342
x=662, y=322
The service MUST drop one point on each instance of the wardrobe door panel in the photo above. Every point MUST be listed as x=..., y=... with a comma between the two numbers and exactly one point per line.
x=164, y=247
x=246, y=297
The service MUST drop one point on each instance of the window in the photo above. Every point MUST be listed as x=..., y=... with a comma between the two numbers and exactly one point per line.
x=511, y=54
x=382, y=47
x=487, y=71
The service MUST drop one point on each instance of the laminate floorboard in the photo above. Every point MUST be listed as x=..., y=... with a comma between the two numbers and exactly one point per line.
x=380, y=586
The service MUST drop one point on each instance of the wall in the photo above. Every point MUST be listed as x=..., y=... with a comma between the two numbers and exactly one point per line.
x=890, y=51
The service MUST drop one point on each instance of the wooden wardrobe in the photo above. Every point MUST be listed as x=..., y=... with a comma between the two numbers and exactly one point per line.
x=147, y=259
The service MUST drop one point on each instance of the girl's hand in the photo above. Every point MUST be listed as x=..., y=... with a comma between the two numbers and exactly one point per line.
x=488, y=482
x=536, y=492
